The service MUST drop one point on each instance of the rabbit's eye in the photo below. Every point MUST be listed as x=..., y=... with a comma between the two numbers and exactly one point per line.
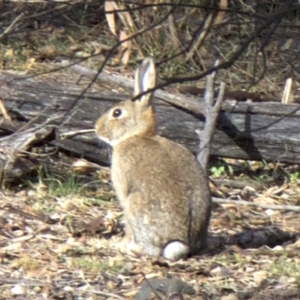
x=117, y=113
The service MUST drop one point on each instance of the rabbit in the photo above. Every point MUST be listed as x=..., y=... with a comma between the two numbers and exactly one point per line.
x=161, y=187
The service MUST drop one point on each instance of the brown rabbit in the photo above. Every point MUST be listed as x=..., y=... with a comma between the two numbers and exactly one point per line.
x=161, y=187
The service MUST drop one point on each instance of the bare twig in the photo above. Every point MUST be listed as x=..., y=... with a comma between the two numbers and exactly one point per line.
x=275, y=18
x=11, y=26
x=239, y=184
x=79, y=99
x=201, y=36
x=75, y=132
x=267, y=206
x=178, y=100
x=106, y=294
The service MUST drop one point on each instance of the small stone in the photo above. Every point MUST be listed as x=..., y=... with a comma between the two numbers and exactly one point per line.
x=230, y=297
x=18, y=290
x=165, y=287
x=31, y=193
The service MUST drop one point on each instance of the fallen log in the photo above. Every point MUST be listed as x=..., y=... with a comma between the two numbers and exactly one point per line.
x=256, y=131
x=13, y=163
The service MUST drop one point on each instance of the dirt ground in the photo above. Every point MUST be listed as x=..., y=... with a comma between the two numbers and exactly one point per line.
x=58, y=247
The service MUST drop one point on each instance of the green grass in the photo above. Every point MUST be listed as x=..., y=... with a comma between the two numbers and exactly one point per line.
x=285, y=267
x=97, y=265
x=56, y=184
x=60, y=186
x=294, y=177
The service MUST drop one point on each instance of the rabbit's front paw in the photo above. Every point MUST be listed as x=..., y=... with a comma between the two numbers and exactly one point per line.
x=129, y=246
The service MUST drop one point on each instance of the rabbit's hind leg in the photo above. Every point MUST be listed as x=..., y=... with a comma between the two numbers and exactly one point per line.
x=127, y=244
x=141, y=245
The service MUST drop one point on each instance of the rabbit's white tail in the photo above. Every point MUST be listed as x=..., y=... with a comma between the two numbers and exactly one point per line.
x=176, y=250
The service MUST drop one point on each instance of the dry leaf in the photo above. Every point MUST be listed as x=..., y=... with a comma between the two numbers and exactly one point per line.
x=4, y=111
x=259, y=276
x=271, y=212
x=71, y=39
x=126, y=47
x=223, y=5
x=84, y=167
x=9, y=52
x=230, y=297
x=34, y=273
x=110, y=17
x=18, y=290
x=124, y=15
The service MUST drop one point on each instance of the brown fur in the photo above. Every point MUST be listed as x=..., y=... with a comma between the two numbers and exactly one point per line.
x=160, y=185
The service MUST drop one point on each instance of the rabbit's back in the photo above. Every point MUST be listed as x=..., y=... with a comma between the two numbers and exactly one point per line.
x=164, y=189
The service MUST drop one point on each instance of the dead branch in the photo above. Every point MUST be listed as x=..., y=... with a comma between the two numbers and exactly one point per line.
x=211, y=115
x=12, y=164
x=238, y=184
x=262, y=205
x=269, y=136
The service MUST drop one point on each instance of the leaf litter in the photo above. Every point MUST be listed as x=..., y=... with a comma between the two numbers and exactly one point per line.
x=59, y=247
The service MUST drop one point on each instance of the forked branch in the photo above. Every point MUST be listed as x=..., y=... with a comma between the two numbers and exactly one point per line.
x=212, y=109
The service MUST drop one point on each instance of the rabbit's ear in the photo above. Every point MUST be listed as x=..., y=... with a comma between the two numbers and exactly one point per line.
x=145, y=79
